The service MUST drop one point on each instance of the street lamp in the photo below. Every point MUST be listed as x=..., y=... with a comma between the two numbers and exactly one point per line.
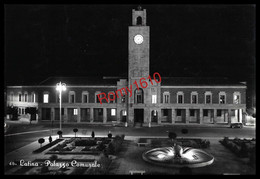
x=60, y=87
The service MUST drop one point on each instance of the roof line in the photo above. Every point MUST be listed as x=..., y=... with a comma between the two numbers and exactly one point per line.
x=45, y=80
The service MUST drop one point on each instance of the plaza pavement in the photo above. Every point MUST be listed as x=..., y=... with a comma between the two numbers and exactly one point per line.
x=26, y=154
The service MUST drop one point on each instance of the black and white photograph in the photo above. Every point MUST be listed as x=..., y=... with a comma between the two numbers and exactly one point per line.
x=129, y=89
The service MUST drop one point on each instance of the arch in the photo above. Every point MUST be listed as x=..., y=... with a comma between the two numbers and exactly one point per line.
x=72, y=97
x=236, y=97
x=33, y=97
x=85, y=97
x=139, y=20
x=139, y=96
x=222, y=97
x=123, y=115
x=154, y=116
x=208, y=97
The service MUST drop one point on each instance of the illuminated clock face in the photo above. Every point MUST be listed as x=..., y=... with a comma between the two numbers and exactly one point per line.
x=138, y=39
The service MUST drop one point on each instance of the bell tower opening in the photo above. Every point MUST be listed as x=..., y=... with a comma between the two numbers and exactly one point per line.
x=139, y=17
x=139, y=20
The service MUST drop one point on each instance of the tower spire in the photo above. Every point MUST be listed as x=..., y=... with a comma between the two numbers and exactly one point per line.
x=139, y=8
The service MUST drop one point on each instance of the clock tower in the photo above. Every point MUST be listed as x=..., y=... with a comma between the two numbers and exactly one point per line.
x=138, y=49
x=138, y=67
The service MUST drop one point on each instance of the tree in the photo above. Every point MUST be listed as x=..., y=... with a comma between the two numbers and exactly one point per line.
x=75, y=130
x=32, y=111
x=93, y=134
x=13, y=112
x=41, y=141
x=109, y=135
x=59, y=133
x=172, y=135
x=50, y=139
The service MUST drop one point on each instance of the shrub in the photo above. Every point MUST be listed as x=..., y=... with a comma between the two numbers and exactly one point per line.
x=205, y=143
x=50, y=139
x=75, y=131
x=85, y=142
x=123, y=136
x=225, y=139
x=172, y=135
x=110, y=150
x=101, y=146
x=109, y=135
x=236, y=149
x=41, y=141
x=93, y=134
x=59, y=133
x=53, y=157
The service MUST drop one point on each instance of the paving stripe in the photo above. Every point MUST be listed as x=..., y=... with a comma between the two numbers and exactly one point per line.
x=28, y=132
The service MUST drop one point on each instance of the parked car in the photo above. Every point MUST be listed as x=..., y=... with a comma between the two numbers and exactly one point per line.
x=236, y=125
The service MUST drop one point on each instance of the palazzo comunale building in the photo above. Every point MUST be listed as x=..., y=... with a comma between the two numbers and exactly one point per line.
x=168, y=100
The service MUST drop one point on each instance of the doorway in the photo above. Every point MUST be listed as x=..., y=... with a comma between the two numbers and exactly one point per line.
x=139, y=116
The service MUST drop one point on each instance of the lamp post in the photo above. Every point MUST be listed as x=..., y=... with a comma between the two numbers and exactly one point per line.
x=60, y=87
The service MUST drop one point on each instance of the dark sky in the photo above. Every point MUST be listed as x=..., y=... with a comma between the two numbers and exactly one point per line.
x=91, y=40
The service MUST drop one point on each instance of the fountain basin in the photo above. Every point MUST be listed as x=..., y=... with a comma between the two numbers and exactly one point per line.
x=182, y=157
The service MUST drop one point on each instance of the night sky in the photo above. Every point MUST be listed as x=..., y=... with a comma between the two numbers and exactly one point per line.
x=92, y=40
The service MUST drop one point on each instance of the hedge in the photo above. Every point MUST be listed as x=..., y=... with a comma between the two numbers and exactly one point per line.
x=47, y=146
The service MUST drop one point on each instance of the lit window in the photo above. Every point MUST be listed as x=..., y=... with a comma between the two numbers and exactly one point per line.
x=123, y=98
x=75, y=111
x=113, y=112
x=33, y=97
x=46, y=98
x=154, y=99
x=154, y=112
x=222, y=99
x=124, y=113
x=236, y=98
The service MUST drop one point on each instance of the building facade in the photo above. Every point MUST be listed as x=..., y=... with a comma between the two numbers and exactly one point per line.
x=140, y=98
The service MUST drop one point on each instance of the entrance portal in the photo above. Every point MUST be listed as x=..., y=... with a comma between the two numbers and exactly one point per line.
x=139, y=116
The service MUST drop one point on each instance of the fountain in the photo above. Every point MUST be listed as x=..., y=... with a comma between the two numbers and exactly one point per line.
x=177, y=156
